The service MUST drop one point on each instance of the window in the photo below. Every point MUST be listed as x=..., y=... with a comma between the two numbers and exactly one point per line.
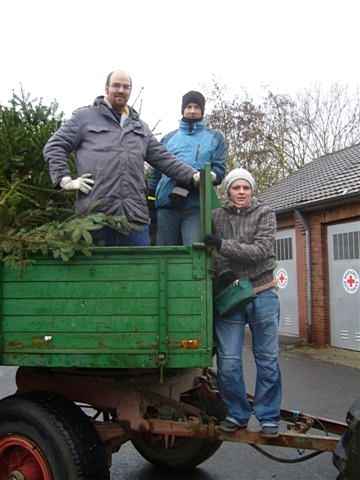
x=284, y=249
x=346, y=245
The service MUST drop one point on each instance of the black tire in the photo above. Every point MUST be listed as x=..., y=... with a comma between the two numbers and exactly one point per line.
x=62, y=433
x=185, y=454
x=352, y=471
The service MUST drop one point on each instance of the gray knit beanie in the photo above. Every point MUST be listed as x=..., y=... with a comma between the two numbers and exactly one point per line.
x=238, y=174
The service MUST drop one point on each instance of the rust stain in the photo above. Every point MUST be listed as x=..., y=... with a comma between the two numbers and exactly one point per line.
x=15, y=344
x=39, y=342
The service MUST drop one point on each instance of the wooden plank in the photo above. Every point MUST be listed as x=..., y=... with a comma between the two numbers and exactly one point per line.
x=186, y=289
x=81, y=360
x=91, y=307
x=183, y=306
x=96, y=324
x=184, y=323
x=52, y=290
x=79, y=341
x=186, y=359
x=55, y=272
x=178, y=272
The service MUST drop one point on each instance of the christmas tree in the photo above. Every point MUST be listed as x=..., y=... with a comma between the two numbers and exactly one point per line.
x=34, y=216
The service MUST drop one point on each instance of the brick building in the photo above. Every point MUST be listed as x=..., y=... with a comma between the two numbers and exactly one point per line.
x=318, y=249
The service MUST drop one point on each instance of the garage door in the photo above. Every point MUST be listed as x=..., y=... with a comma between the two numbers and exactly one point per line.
x=287, y=282
x=344, y=282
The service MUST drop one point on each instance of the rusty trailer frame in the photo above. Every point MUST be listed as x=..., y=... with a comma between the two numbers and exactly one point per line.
x=125, y=410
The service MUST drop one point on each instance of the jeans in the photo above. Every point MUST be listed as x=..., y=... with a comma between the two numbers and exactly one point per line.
x=108, y=237
x=177, y=226
x=262, y=316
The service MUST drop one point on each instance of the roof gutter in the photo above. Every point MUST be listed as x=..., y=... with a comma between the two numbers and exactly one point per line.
x=300, y=216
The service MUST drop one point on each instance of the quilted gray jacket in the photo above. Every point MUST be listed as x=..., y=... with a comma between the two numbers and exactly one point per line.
x=248, y=246
x=115, y=157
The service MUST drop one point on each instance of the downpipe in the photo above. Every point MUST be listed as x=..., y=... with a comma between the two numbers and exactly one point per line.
x=300, y=216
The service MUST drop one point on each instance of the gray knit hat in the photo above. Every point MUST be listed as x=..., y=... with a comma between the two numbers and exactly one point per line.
x=239, y=174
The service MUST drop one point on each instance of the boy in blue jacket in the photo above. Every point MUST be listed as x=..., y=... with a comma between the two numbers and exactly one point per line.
x=178, y=209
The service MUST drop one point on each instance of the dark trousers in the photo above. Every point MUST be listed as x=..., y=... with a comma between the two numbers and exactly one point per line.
x=108, y=237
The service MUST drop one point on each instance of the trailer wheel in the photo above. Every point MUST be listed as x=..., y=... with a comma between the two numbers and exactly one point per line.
x=46, y=437
x=183, y=454
x=352, y=471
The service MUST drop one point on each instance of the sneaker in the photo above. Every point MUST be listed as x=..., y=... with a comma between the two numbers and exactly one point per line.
x=229, y=426
x=270, y=429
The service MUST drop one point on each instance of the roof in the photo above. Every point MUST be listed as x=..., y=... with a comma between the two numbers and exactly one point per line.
x=332, y=177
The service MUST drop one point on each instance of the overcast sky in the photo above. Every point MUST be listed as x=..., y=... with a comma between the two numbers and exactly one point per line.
x=64, y=49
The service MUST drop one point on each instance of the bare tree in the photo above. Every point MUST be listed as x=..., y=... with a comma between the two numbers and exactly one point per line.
x=318, y=122
x=250, y=134
x=282, y=133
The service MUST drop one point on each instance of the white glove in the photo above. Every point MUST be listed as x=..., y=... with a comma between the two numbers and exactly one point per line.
x=83, y=183
x=196, y=178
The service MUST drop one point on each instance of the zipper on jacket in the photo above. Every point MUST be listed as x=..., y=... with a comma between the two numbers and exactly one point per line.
x=197, y=154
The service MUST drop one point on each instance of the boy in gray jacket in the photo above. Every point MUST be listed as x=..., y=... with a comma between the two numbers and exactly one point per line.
x=244, y=237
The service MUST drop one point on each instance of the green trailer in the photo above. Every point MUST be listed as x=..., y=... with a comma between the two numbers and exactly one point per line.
x=114, y=348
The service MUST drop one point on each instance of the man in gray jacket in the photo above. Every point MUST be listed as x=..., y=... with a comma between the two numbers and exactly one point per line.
x=244, y=236
x=111, y=144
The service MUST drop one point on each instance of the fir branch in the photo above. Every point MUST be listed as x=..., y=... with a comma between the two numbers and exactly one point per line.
x=57, y=239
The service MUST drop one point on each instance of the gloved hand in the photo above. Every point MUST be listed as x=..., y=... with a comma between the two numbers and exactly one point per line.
x=224, y=280
x=227, y=278
x=196, y=179
x=178, y=196
x=213, y=241
x=83, y=183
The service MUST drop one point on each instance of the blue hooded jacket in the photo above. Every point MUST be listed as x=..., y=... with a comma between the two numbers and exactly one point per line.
x=196, y=146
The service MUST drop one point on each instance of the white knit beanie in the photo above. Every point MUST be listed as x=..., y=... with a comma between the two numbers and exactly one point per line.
x=238, y=174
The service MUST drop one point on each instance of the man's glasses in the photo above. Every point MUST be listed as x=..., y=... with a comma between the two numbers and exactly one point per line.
x=120, y=86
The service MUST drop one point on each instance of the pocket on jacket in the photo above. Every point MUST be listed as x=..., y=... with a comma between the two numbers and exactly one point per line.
x=135, y=143
x=101, y=138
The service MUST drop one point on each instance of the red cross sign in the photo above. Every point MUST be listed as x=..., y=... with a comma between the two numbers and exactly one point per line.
x=282, y=278
x=351, y=281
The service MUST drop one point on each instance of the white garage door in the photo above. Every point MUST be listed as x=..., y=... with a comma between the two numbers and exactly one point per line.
x=344, y=283
x=287, y=282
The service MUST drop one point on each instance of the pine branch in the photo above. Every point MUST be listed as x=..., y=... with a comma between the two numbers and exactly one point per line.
x=58, y=239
